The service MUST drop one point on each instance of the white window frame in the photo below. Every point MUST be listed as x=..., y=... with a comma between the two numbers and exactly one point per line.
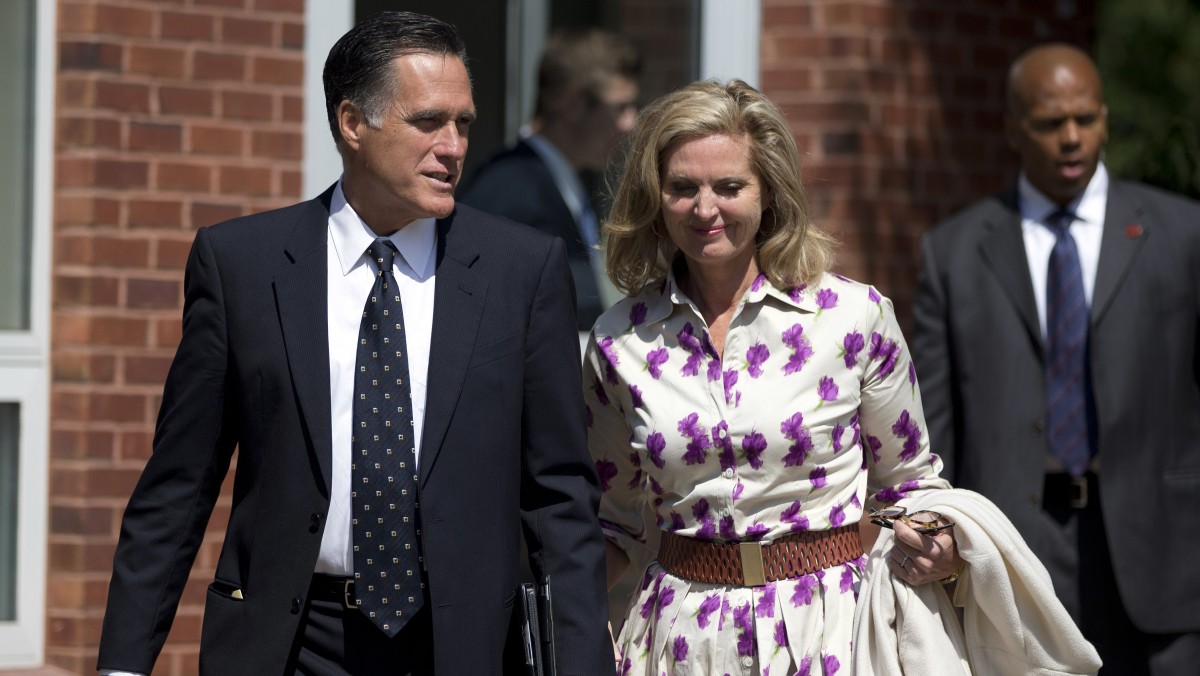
x=25, y=373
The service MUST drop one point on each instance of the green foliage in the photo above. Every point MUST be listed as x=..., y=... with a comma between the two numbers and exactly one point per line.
x=1148, y=52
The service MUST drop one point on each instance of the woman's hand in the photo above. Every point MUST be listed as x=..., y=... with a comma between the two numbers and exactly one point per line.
x=919, y=559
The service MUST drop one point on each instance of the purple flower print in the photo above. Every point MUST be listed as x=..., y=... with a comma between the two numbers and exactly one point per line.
x=793, y=428
x=831, y=665
x=875, y=445
x=758, y=282
x=837, y=516
x=885, y=351
x=730, y=379
x=701, y=513
x=609, y=355
x=654, y=361
x=714, y=372
x=801, y=349
x=874, y=297
x=781, y=639
x=755, y=357
x=852, y=344
x=635, y=396
x=805, y=666
x=606, y=471
x=727, y=531
x=626, y=666
x=912, y=375
x=708, y=606
x=700, y=509
x=637, y=314
x=676, y=522
x=766, y=602
x=601, y=395
x=757, y=531
x=687, y=340
x=827, y=390
x=722, y=440
x=745, y=624
x=679, y=649
x=803, y=593
x=893, y=494
x=753, y=445
x=835, y=437
x=724, y=613
x=665, y=596
x=648, y=604
x=797, y=292
x=847, y=578
x=826, y=300
x=792, y=515
x=699, y=444
x=587, y=412
x=906, y=428
x=817, y=477
x=737, y=490
x=655, y=445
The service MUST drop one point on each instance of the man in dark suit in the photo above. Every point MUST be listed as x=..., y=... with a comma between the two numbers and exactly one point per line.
x=1058, y=343
x=587, y=90
x=469, y=316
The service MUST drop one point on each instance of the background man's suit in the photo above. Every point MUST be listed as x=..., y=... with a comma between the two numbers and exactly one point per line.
x=519, y=185
x=979, y=354
x=503, y=445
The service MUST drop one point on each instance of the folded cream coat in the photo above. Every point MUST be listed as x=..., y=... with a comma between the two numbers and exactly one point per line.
x=1012, y=623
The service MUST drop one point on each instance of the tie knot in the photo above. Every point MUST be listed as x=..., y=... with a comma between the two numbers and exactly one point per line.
x=383, y=252
x=1059, y=222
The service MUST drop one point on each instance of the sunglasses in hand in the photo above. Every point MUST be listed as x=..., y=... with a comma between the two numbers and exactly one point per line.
x=925, y=523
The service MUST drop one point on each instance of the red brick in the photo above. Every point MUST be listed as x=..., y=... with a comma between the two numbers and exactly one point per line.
x=245, y=181
x=293, y=35
x=167, y=333
x=124, y=97
x=291, y=108
x=775, y=16
x=840, y=14
x=210, y=213
x=149, y=213
x=81, y=444
x=188, y=26
x=290, y=184
x=218, y=66
x=171, y=254
x=121, y=173
x=75, y=93
x=213, y=140
x=76, y=17
x=152, y=137
x=293, y=6
x=242, y=31
x=166, y=62
x=221, y=3
x=243, y=105
x=99, y=331
x=124, y=21
x=71, y=172
x=84, y=368
x=71, y=520
x=119, y=408
x=146, y=370
x=112, y=483
x=121, y=252
x=88, y=133
x=153, y=294
x=136, y=445
x=186, y=101
x=276, y=144
x=89, y=56
x=193, y=178
x=74, y=291
x=269, y=70
x=791, y=78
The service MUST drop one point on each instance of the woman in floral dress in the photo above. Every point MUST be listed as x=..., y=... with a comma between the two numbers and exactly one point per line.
x=744, y=394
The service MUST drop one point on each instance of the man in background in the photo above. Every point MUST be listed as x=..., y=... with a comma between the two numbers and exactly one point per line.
x=586, y=100
x=1057, y=339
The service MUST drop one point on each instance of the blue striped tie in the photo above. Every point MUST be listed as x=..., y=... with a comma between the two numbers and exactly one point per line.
x=387, y=563
x=1066, y=349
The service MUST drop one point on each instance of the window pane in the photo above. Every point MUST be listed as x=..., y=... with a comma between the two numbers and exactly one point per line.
x=16, y=175
x=9, y=438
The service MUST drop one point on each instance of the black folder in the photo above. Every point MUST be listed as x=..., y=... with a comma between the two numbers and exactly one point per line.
x=537, y=628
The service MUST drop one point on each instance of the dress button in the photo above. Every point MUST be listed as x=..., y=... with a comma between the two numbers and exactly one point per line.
x=296, y=605
x=725, y=512
x=748, y=661
x=1034, y=500
x=728, y=474
x=722, y=433
x=1037, y=428
x=314, y=522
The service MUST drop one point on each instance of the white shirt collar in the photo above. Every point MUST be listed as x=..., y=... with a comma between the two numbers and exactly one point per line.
x=1089, y=206
x=416, y=241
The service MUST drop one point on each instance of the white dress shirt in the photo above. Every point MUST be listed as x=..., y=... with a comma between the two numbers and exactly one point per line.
x=1088, y=229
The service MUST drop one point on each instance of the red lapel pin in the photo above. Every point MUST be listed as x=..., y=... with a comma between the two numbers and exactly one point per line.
x=1133, y=230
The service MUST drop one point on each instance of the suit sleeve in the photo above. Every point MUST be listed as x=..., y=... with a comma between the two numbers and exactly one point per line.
x=169, y=509
x=932, y=356
x=560, y=493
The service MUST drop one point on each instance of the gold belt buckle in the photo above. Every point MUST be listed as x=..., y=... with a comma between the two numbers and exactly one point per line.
x=1079, y=492
x=348, y=594
x=753, y=570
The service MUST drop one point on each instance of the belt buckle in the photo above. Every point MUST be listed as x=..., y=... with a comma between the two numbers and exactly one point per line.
x=1079, y=492
x=753, y=570
x=348, y=594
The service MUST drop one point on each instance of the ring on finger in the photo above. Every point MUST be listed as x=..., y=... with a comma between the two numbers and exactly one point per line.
x=904, y=561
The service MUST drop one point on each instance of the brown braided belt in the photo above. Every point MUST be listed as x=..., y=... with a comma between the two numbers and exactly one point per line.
x=753, y=564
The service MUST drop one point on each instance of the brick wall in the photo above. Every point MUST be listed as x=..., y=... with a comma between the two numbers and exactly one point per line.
x=171, y=115
x=897, y=106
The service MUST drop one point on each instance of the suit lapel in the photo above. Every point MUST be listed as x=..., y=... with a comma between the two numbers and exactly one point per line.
x=1119, y=245
x=1003, y=251
x=457, y=309
x=301, y=294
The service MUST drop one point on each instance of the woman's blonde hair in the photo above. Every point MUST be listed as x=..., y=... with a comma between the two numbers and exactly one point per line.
x=791, y=250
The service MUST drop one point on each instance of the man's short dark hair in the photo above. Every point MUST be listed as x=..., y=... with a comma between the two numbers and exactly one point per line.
x=583, y=61
x=360, y=70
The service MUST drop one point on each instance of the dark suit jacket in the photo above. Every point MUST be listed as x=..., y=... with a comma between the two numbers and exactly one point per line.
x=504, y=446
x=516, y=184
x=979, y=354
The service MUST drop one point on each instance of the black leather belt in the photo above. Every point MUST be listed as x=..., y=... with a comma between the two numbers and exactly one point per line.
x=335, y=589
x=1064, y=491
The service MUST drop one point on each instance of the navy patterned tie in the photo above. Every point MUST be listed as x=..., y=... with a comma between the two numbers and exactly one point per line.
x=1066, y=349
x=387, y=562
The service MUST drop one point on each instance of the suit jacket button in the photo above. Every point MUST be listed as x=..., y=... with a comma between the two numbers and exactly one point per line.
x=296, y=605
x=1037, y=428
x=1035, y=500
x=314, y=523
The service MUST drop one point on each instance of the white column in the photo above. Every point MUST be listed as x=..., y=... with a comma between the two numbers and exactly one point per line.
x=324, y=22
x=730, y=35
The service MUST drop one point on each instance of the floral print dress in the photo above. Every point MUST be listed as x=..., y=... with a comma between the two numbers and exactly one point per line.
x=812, y=411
